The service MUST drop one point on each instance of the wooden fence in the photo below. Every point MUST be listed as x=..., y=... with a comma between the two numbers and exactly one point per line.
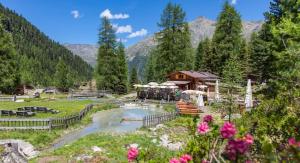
x=6, y=98
x=153, y=120
x=43, y=124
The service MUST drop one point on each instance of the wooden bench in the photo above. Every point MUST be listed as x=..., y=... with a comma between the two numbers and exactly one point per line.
x=187, y=109
x=25, y=113
x=7, y=112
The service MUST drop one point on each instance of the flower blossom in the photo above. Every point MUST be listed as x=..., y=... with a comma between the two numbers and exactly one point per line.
x=185, y=158
x=132, y=153
x=203, y=128
x=228, y=130
x=293, y=142
x=174, y=160
x=236, y=147
x=207, y=118
x=248, y=139
x=204, y=161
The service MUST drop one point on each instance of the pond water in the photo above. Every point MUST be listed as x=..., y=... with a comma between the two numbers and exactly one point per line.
x=125, y=119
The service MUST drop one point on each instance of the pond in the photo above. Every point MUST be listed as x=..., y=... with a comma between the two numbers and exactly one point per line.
x=121, y=120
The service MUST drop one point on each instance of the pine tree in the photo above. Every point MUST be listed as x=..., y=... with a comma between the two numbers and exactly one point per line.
x=174, y=46
x=203, y=56
x=61, y=75
x=107, y=59
x=133, y=77
x=227, y=39
x=150, y=67
x=8, y=67
x=122, y=86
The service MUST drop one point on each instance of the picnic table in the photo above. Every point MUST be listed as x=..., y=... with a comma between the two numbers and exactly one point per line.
x=25, y=113
x=7, y=112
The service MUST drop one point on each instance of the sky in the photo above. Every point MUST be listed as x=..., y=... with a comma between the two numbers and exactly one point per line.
x=78, y=21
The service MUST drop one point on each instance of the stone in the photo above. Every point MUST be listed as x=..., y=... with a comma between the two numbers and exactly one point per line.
x=97, y=149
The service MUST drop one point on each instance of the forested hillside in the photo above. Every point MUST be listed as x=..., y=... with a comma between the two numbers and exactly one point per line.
x=38, y=55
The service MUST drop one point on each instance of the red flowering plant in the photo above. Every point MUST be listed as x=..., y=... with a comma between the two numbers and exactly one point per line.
x=212, y=143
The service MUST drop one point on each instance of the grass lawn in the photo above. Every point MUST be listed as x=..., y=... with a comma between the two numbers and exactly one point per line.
x=65, y=107
x=114, y=148
x=43, y=139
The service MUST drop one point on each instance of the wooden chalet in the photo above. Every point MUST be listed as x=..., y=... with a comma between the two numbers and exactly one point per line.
x=193, y=80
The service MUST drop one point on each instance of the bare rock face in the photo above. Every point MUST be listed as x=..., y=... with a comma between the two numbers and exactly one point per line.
x=87, y=52
x=16, y=151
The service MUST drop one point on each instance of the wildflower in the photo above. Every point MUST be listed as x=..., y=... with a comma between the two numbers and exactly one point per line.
x=174, y=160
x=203, y=128
x=204, y=161
x=228, y=130
x=293, y=142
x=248, y=139
x=185, y=158
x=235, y=147
x=248, y=161
x=132, y=154
x=207, y=118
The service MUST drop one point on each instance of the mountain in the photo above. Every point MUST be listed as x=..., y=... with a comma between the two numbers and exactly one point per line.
x=137, y=54
x=86, y=51
x=38, y=55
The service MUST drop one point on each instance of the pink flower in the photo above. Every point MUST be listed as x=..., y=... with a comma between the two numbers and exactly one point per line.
x=203, y=128
x=174, y=160
x=248, y=161
x=293, y=142
x=248, y=138
x=207, y=118
x=235, y=147
x=204, y=161
x=228, y=130
x=185, y=158
x=132, y=154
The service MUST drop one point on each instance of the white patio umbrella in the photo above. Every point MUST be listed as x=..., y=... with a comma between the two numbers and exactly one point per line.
x=173, y=87
x=193, y=92
x=137, y=85
x=153, y=84
x=200, y=101
x=248, y=98
x=217, y=93
x=168, y=84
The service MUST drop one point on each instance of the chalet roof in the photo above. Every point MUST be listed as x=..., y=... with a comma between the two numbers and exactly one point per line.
x=200, y=75
x=180, y=82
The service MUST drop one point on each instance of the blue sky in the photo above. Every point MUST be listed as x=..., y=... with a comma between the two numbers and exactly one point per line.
x=78, y=21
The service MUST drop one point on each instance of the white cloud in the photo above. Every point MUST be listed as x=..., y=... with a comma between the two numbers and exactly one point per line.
x=122, y=29
x=75, y=14
x=141, y=32
x=122, y=40
x=106, y=13
x=233, y=2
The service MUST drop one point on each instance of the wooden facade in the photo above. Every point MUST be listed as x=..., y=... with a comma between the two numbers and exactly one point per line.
x=192, y=80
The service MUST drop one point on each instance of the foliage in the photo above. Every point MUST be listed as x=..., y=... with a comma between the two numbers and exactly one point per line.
x=111, y=71
x=62, y=78
x=227, y=39
x=8, y=66
x=204, y=56
x=149, y=73
x=37, y=55
x=174, y=50
x=133, y=77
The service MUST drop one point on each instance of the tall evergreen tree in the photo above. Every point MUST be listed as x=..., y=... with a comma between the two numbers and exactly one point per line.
x=107, y=60
x=203, y=56
x=122, y=66
x=150, y=67
x=8, y=67
x=174, y=46
x=133, y=77
x=61, y=76
x=227, y=39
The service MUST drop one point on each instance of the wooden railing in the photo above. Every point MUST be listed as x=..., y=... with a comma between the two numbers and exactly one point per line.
x=153, y=120
x=6, y=98
x=43, y=124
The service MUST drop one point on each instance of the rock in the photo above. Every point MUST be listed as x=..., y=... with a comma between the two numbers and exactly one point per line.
x=159, y=126
x=133, y=145
x=154, y=141
x=84, y=157
x=165, y=142
x=25, y=149
x=97, y=149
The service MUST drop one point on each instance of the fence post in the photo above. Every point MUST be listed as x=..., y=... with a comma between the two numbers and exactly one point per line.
x=50, y=124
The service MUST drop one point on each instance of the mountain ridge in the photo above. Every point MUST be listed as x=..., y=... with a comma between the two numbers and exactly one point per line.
x=200, y=28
